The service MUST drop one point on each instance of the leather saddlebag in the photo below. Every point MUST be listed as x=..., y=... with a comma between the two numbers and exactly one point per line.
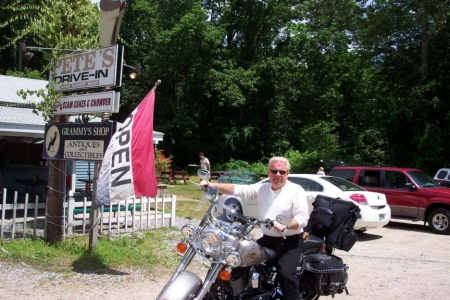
x=324, y=274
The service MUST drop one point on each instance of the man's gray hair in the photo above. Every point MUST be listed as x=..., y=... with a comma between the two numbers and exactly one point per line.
x=280, y=159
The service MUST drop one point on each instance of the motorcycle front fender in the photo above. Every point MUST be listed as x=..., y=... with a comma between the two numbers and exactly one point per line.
x=183, y=287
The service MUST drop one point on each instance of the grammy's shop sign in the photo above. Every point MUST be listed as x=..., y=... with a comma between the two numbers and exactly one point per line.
x=88, y=70
x=77, y=141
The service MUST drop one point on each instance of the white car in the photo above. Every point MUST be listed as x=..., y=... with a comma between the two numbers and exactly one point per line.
x=375, y=212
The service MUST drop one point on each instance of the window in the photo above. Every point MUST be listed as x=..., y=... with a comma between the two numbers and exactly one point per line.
x=395, y=180
x=307, y=184
x=422, y=179
x=369, y=178
x=442, y=174
x=346, y=174
x=342, y=184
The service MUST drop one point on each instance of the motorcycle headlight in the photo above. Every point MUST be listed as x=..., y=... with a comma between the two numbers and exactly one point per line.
x=233, y=259
x=211, y=242
x=188, y=231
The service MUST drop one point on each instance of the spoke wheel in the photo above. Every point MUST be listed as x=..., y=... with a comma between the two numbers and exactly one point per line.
x=439, y=221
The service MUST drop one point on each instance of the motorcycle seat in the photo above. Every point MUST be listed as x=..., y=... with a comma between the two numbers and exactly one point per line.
x=270, y=253
x=313, y=242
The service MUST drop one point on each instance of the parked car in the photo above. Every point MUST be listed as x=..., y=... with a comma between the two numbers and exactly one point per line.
x=238, y=176
x=374, y=210
x=410, y=193
x=442, y=177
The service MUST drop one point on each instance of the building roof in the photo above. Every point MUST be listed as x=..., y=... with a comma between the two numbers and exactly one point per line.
x=18, y=119
x=9, y=85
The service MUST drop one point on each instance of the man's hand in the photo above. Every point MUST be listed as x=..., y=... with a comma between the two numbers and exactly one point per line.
x=204, y=183
x=278, y=226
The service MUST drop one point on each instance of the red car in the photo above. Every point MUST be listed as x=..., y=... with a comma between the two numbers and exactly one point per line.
x=410, y=193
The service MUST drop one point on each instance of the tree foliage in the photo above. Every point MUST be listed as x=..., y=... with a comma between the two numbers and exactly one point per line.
x=61, y=25
x=360, y=81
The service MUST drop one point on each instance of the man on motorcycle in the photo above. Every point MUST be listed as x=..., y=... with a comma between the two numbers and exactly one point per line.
x=279, y=197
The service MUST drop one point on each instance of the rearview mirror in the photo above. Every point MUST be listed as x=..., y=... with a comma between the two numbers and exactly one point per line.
x=204, y=174
x=409, y=186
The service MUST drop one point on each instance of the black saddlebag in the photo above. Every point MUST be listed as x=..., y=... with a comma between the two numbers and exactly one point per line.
x=333, y=220
x=324, y=274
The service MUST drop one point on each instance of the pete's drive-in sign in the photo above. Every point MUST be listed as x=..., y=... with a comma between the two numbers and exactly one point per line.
x=87, y=70
x=77, y=141
x=87, y=103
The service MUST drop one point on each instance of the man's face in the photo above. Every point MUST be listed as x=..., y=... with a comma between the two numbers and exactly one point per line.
x=278, y=180
x=201, y=156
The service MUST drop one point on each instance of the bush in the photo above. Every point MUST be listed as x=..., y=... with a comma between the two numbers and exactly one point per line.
x=233, y=164
x=162, y=163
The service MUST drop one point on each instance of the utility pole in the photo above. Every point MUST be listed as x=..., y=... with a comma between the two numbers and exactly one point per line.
x=94, y=214
x=56, y=193
x=111, y=14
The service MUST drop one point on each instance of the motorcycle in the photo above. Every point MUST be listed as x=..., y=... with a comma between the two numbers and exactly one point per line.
x=242, y=269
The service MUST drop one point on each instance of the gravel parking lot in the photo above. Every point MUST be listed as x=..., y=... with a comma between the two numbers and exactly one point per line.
x=402, y=260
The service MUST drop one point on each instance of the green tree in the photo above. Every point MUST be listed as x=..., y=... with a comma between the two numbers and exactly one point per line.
x=404, y=40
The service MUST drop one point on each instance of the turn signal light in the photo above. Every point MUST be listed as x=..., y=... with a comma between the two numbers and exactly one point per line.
x=181, y=247
x=225, y=275
x=359, y=198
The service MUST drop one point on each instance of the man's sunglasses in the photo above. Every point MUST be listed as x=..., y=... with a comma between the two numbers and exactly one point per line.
x=282, y=172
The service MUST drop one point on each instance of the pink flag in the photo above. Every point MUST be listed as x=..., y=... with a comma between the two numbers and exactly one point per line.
x=128, y=167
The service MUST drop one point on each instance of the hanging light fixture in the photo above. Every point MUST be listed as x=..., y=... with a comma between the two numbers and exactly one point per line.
x=136, y=69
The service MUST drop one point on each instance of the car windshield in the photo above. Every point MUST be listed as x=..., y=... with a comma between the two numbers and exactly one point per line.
x=422, y=179
x=342, y=184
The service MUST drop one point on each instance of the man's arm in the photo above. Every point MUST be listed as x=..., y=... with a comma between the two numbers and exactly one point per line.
x=300, y=211
x=224, y=188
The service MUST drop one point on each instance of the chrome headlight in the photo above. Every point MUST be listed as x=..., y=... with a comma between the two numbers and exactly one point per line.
x=211, y=242
x=188, y=231
x=233, y=259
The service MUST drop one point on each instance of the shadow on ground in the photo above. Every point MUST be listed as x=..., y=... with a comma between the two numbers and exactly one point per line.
x=416, y=226
x=92, y=264
x=366, y=236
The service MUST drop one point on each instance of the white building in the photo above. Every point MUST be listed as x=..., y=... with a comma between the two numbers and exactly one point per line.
x=24, y=131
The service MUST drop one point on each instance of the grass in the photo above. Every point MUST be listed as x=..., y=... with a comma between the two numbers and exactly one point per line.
x=186, y=191
x=144, y=250
x=188, y=199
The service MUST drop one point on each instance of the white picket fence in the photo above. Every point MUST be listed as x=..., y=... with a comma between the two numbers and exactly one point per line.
x=23, y=218
x=123, y=216
x=15, y=222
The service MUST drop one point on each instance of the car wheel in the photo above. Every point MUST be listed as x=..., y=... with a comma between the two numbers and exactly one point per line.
x=439, y=221
x=234, y=204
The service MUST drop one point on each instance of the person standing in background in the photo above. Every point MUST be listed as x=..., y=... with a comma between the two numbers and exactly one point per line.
x=321, y=171
x=204, y=162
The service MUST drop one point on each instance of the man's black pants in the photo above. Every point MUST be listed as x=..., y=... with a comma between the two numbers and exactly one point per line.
x=287, y=258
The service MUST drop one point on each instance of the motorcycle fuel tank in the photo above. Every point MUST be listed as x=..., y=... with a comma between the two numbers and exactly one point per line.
x=252, y=253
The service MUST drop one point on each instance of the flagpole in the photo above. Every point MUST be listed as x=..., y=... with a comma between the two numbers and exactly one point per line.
x=158, y=82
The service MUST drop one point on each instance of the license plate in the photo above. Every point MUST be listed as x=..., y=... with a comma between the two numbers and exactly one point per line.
x=382, y=217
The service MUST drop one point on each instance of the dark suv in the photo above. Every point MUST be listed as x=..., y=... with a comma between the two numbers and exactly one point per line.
x=410, y=193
